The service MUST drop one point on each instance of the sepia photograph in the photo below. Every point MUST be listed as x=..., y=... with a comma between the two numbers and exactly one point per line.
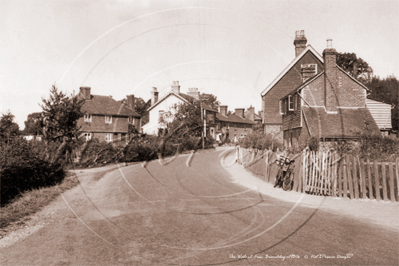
x=199, y=132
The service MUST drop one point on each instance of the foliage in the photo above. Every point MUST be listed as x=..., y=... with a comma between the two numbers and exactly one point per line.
x=356, y=67
x=313, y=143
x=34, y=124
x=141, y=108
x=8, y=128
x=386, y=90
x=210, y=100
x=373, y=147
x=258, y=140
x=24, y=169
x=60, y=115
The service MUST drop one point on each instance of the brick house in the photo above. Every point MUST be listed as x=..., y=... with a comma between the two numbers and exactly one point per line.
x=306, y=64
x=107, y=119
x=330, y=105
x=168, y=101
x=233, y=126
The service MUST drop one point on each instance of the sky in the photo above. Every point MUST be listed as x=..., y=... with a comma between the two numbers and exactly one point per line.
x=230, y=48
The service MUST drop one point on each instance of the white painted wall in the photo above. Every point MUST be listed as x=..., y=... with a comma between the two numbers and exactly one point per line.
x=165, y=105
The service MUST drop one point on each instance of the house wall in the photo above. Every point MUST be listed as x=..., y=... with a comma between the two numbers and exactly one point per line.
x=275, y=130
x=296, y=136
x=350, y=93
x=97, y=124
x=152, y=126
x=292, y=119
x=314, y=92
x=291, y=80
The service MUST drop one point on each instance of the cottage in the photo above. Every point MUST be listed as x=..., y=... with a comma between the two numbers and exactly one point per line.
x=107, y=119
x=234, y=126
x=329, y=105
x=168, y=101
x=307, y=63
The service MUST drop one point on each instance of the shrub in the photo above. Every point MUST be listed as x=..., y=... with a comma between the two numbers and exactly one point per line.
x=260, y=141
x=25, y=169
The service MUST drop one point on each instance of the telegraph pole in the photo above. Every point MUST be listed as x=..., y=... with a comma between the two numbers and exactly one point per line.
x=202, y=132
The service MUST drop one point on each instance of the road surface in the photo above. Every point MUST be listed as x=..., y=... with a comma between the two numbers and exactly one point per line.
x=204, y=214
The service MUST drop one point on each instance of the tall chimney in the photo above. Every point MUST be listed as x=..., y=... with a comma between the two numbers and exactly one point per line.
x=193, y=92
x=176, y=87
x=130, y=102
x=154, y=95
x=223, y=109
x=251, y=113
x=240, y=112
x=85, y=91
x=299, y=42
x=330, y=78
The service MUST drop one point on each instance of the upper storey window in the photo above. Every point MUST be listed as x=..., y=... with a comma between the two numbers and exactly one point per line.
x=308, y=71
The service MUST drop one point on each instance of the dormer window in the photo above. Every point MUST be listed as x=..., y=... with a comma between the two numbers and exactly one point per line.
x=131, y=120
x=108, y=119
x=308, y=71
x=87, y=117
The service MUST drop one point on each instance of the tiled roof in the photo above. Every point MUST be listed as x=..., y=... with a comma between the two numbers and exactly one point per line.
x=105, y=105
x=234, y=119
x=346, y=124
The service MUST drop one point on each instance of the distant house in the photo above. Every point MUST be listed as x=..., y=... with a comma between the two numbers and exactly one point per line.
x=330, y=105
x=307, y=63
x=168, y=101
x=107, y=119
x=381, y=112
x=233, y=126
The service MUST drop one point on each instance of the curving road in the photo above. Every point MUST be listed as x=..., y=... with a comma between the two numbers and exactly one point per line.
x=205, y=214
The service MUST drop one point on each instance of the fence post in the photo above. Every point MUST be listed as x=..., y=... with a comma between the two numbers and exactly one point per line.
x=362, y=178
x=384, y=181
x=391, y=183
x=397, y=172
x=345, y=174
x=340, y=171
x=355, y=179
x=377, y=181
x=350, y=175
x=305, y=172
x=370, y=181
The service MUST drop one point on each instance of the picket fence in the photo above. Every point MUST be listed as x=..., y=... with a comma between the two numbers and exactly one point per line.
x=329, y=174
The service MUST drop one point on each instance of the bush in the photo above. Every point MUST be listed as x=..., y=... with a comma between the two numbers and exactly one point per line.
x=373, y=147
x=260, y=141
x=24, y=168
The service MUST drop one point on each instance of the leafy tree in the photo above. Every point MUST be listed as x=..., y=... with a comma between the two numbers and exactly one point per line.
x=210, y=100
x=356, y=67
x=141, y=108
x=386, y=90
x=8, y=128
x=60, y=117
x=34, y=124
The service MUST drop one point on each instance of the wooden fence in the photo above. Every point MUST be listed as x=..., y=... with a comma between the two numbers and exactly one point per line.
x=327, y=173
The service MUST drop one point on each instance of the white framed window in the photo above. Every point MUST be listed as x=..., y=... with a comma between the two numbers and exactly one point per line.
x=280, y=107
x=87, y=117
x=88, y=136
x=108, y=119
x=161, y=113
x=108, y=137
x=131, y=120
x=290, y=103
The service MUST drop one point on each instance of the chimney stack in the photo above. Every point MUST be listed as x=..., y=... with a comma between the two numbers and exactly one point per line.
x=130, y=102
x=176, y=87
x=240, y=112
x=85, y=91
x=251, y=113
x=154, y=95
x=299, y=42
x=223, y=109
x=193, y=92
x=330, y=78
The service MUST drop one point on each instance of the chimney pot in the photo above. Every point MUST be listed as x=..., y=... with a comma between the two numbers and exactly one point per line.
x=176, y=87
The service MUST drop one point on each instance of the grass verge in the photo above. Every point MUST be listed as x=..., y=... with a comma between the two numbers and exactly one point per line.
x=32, y=201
